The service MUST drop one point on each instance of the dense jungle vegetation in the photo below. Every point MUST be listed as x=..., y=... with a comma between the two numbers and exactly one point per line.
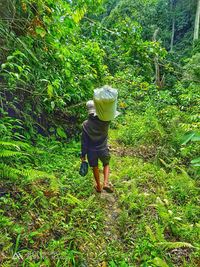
x=53, y=55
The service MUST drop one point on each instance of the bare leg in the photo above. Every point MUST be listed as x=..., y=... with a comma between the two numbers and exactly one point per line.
x=106, y=171
x=97, y=178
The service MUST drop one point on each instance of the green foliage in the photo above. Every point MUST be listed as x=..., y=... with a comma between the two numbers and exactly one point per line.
x=192, y=69
x=10, y=127
x=42, y=72
x=53, y=220
x=53, y=54
x=12, y=172
x=159, y=262
x=8, y=172
x=141, y=129
x=153, y=218
x=183, y=188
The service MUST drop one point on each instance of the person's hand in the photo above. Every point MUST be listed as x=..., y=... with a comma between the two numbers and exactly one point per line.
x=83, y=159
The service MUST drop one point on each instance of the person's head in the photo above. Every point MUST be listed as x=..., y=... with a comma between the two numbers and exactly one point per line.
x=91, y=107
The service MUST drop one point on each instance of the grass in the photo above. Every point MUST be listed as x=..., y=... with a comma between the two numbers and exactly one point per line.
x=151, y=220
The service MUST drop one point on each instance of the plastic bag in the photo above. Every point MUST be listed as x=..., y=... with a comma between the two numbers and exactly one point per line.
x=105, y=100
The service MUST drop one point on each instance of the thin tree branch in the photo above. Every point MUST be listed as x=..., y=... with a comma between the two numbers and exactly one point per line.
x=94, y=22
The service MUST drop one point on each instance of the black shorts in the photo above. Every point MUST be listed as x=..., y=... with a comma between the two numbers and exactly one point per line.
x=94, y=156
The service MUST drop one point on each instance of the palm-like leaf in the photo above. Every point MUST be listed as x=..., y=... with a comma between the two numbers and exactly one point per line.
x=10, y=153
x=173, y=245
x=8, y=172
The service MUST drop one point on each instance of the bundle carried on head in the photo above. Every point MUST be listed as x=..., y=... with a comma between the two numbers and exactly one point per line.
x=105, y=100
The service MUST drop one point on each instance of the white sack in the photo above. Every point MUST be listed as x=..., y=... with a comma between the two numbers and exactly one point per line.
x=105, y=100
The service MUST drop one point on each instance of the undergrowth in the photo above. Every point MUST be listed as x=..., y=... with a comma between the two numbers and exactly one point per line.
x=48, y=225
x=157, y=222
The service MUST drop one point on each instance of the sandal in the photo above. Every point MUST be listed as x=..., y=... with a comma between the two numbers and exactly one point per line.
x=108, y=188
x=97, y=190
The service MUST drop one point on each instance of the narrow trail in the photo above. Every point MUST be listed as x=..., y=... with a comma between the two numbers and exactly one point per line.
x=111, y=240
x=98, y=251
x=112, y=212
x=111, y=225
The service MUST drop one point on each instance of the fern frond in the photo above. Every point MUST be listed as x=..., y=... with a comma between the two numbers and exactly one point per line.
x=29, y=175
x=72, y=199
x=32, y=175
x=9, y=172
x=10, y=153
x=9, y=144
x=22, y=144
x=15, y=144
x=150, y=233
x=173, y=245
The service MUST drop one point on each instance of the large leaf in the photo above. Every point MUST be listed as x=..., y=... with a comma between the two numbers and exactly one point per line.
x=50, y=90
x=196, y=137
x=160, y=263
x=187, y=138
x=196, y=162
x=61, y=133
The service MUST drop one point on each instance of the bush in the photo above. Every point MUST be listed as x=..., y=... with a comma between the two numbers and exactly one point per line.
x=141, y=129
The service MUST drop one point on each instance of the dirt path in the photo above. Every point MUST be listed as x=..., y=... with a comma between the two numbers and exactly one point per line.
x=112, y=212
x=111, y=226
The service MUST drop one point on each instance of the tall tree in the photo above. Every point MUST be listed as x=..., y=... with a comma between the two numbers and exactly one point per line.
x=197, y=21
x=173, y=6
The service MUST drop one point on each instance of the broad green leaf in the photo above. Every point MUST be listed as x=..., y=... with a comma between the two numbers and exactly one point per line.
x=50, y=90
x=19, y=53
x=61, y=132
x=187, y=138
x=41, y=31
x=67, y=73
x=160, y=263
x=52, y=104
x=3, y=66
x=10, y=57
x=196, y=137
x=197, y=160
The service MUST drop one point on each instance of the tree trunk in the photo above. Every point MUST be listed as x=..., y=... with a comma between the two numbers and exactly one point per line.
x=197, y=21
x=172, y=36
x=173, y=3
x=156, y=63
